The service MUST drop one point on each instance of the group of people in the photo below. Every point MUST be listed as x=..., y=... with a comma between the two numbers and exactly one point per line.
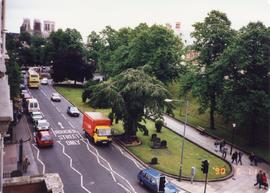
x=221, y=147
x=237, y=157
x=261, y=180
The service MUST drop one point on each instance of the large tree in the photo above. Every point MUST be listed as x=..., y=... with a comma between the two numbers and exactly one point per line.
x=68, y=56
x=212, y=36
x=133, y=95
x=246, y=67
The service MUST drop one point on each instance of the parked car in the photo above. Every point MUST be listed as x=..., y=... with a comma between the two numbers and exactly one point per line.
x=42, y=124
x=156, y=182
x=55, y=97
x=73, y=111
x=44, y=81
x=36, y=115
x=44, y=139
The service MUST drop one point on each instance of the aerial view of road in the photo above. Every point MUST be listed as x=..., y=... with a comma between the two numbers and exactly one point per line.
x=83, y=167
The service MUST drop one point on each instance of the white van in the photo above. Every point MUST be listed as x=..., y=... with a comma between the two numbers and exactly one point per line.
x=32, y=105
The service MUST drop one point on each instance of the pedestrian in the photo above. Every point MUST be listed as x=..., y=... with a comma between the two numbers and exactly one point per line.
x=259, y=179
x=240, y=154
x=25, y=164
x=234, y=157
x=255, y=160
x=224, y=152
x=251, y=158
x=264, y=181
x=216, y=145
x=221, y=145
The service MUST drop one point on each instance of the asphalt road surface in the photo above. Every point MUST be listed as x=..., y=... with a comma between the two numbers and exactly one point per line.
x=83, y=166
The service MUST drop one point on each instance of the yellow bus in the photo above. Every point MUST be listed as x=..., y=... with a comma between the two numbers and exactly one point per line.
x=33, y=79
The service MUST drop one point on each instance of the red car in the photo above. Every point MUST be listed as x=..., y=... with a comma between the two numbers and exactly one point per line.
x=44, y=139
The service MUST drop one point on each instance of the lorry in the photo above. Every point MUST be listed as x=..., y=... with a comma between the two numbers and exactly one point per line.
x=97, y=127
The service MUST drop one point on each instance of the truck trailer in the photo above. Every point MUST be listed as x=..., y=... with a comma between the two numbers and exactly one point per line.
x=97, y=127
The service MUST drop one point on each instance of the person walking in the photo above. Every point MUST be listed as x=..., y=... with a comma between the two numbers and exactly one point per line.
x=224, y=152
x=240, y=154
x=216, y=145
x=234, y=157
x=264, y=181
x=259, y=179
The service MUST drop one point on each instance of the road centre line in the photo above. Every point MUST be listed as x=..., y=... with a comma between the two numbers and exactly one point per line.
x=71, y=166
x=57, y=109
x=63, y=116
x=44, y=93
x=71, y=124
x=43, y=165
x=110, y=170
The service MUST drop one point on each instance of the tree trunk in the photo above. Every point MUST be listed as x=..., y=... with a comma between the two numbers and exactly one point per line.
x=75, y=82
x=212, y=111
x=252, y=134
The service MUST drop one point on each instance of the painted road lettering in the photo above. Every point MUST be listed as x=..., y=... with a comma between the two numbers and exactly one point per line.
x=69, y=136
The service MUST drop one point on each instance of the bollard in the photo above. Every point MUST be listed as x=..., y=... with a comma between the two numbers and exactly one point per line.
x=192, y=174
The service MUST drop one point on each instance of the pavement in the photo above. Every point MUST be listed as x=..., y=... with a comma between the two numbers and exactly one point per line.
x=244, y=175
x=11, y=149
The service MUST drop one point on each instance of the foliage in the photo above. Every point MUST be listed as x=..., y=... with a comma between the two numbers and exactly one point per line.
x=155, y=49
x=14, y=77
x=246, y=89
x=211, y=38
x=133, y=96
x=68, y=57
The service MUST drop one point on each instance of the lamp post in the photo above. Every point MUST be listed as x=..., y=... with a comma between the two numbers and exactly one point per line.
x=234, y=125
x=184, y=135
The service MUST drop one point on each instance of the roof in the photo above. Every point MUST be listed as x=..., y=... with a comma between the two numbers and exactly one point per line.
x=152, y=172
x=96, y=115
x=44, y=133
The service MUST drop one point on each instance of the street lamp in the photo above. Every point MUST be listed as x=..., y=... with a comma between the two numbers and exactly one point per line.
x=234, y=125
x=184, y=134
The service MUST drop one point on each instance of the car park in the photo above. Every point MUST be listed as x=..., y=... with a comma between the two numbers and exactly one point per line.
x=55, y=97
x=44, y=139
x=73, y=111
x=156, y=182
x=42, y=124
x=36, y=115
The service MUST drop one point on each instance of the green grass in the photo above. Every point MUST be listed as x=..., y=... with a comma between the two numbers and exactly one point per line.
x=169, y=159
x=224, y=130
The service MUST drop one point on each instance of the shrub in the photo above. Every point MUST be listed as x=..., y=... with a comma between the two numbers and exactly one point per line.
x=158, y=125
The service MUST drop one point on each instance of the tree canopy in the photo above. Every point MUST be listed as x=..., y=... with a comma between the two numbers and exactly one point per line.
x=133, y=95
x=155, y=49
x=68, y=57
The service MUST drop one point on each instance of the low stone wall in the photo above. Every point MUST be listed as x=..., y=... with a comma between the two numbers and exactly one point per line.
x=47, y=183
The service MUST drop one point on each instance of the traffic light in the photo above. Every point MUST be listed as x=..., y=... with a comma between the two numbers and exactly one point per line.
x=162, y=184
x=205, y=166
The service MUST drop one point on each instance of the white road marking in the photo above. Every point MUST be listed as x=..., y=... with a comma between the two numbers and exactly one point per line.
x=52, y=103
x=57, y=109
x=71, y=166
x=129, y=157
x=44, y=93
x=63, y=116
x=71, y=124
x=61, y=125
x=43, y=165
x=110, y=168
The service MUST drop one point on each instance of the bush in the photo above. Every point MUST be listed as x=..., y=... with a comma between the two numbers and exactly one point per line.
x=158, y=125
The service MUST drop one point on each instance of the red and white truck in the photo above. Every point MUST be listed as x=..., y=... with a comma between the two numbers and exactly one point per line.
x=97, y=127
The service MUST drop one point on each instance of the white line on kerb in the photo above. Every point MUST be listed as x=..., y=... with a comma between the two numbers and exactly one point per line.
x=71, y=166
x=43, y=165
x=57, y=109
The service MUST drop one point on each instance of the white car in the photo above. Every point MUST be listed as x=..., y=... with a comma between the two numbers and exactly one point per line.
x=55, y=97
x=36, y=115
x=44, y=81
x=42, y=124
